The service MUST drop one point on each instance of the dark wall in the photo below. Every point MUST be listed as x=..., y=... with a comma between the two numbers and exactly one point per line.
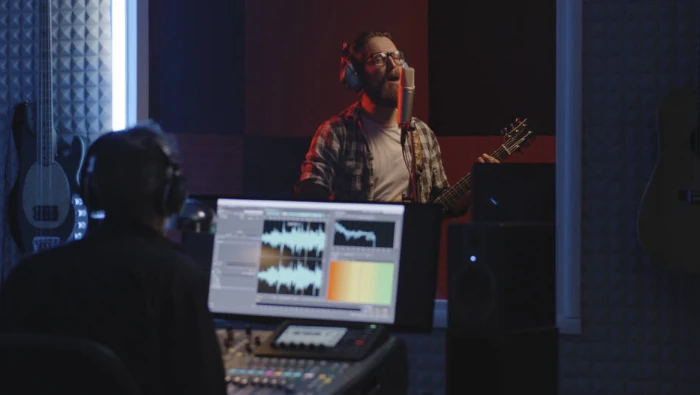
x=491, y=61
x=640, y=322
x=196, y=66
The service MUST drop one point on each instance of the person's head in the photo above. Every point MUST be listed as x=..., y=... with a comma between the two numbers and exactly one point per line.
x=134, y=176
x=378, y=61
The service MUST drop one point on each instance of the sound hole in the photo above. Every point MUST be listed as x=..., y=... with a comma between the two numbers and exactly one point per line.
x=477, y=293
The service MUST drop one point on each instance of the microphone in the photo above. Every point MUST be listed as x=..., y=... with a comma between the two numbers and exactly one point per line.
x=406, y=92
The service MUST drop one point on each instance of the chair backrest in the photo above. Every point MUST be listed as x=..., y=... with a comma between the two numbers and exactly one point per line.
x=41, y=364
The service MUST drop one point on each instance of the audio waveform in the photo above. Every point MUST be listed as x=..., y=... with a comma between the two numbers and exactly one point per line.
x=364, y=234
x=294, y=278
x=295, y=238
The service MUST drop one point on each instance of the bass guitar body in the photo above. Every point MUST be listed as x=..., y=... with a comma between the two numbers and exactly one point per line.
x=668, y=223
x=45, y=208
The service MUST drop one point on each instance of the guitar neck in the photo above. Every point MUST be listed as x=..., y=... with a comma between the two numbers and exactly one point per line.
x=451, y=196
x=45, y=146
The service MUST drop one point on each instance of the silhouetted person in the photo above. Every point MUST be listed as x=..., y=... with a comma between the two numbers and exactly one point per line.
x=125, y=285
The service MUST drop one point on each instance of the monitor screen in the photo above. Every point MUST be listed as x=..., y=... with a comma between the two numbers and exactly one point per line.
x=307, y=260
x=272, y=260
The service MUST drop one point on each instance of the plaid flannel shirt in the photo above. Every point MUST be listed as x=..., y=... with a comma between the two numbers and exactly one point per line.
x=340, y=160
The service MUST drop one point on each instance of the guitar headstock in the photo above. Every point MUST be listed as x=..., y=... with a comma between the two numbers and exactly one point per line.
x=517, y=135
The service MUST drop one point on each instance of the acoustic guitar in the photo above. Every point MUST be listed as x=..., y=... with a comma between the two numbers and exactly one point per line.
x=668, y=223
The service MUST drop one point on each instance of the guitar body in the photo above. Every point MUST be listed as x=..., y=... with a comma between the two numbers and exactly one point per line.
x=45, y=208
x=668, y=226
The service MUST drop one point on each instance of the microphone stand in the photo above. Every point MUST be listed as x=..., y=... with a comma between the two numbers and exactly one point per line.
x=408, y=129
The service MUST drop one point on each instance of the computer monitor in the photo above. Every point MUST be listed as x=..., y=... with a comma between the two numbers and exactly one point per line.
x=341, y=262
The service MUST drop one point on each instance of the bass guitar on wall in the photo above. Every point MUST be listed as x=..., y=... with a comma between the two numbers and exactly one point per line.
x=45, y=209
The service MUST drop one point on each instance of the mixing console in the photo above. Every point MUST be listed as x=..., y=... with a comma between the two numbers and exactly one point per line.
x=247, y=373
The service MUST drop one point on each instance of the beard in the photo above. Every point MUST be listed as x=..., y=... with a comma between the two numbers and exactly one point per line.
x=384, y=94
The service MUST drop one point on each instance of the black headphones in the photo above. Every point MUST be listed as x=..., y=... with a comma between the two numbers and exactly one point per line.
x=348, y=73
x=174, y=192
x=349, y=65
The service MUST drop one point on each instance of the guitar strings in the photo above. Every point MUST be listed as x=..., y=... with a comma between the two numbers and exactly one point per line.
x=452, y=194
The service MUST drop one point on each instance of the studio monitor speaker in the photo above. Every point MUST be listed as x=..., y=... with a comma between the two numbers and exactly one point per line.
x=501, y=336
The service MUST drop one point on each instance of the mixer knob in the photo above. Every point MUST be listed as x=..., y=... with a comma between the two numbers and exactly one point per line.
x=256, y=381
x=257, y=340
x=248, y=348
x=229, y=332
x=282, y=383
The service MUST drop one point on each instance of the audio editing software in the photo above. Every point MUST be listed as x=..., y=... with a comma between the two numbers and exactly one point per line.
x=316, y=260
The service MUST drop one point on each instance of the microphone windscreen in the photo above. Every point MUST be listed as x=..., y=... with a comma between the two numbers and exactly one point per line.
x=408, y=77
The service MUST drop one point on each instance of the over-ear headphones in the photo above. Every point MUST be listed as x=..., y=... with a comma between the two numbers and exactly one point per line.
x=349, y=65
x=175, y=190
x=170, y=200
x=348, y=74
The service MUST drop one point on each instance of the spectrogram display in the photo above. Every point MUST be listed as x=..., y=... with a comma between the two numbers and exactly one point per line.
x=361, y=282
x=291, y=258
x=364, y=234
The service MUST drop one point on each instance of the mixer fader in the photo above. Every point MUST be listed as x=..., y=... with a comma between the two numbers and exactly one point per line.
x=250, y=373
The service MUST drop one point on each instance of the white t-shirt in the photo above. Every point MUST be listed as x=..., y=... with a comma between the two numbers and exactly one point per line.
x=391, y=176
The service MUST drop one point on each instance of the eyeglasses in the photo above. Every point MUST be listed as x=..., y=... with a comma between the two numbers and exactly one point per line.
x=380, y=58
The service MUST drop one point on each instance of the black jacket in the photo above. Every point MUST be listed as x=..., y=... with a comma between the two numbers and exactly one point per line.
x=131, y=290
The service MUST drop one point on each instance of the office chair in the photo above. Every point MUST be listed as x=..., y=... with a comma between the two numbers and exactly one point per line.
x=41, y=364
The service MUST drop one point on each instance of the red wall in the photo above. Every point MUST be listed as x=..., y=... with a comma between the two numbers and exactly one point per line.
x=292, y=58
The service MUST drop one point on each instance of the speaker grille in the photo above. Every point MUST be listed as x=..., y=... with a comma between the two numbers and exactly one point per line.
x=476, y=293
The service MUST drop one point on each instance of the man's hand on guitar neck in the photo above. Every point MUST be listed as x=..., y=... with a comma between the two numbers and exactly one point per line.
x=484, y=158
x=463, y=203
